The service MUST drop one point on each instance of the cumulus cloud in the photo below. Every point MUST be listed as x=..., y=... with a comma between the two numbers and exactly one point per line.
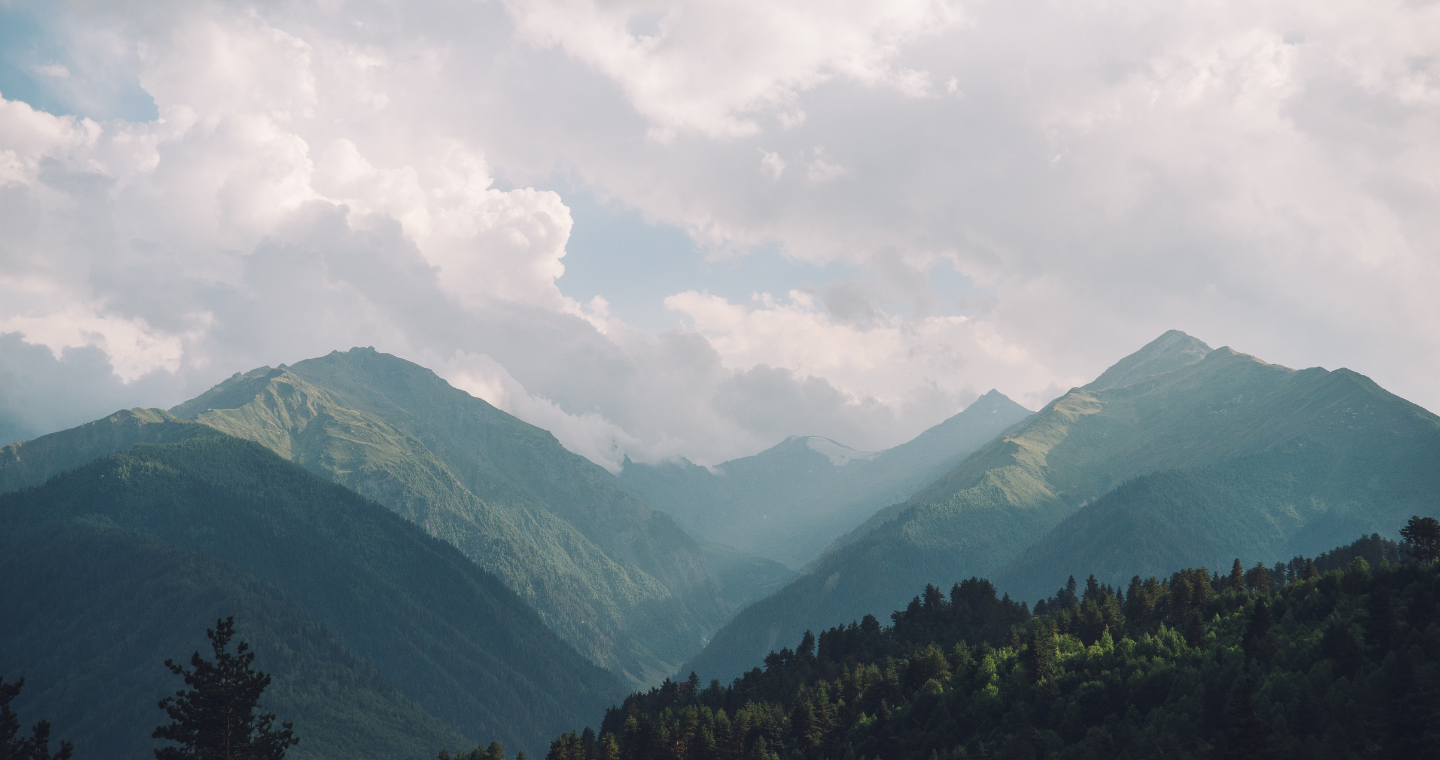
x=323, y=175
x=712, y=67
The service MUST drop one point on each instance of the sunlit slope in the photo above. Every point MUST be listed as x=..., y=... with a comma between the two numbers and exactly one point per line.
x=790, y=501
x=1009, y=494
x=1367, y=462
x=92, y=611
x=31, y=463
x=619, y=581
x=448, y=635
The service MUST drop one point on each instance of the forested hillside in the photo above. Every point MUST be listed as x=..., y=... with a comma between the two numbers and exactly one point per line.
x=93, y=610
x=1228, y=455
x=127, y=559
x=1285, y=662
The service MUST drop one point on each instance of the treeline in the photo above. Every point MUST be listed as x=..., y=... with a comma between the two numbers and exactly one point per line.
x=1309, y=659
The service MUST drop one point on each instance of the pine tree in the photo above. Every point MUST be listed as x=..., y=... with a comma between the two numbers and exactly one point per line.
x=218, y=718
x=34, y=747
x=1423, y=533
x=1237, y=576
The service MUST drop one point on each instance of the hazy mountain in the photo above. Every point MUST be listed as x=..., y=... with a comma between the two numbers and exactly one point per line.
x=376, y=632
x=621, y=582
x=790, y=501
x=1275, y=461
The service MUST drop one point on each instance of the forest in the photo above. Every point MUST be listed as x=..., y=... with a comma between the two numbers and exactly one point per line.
x=1333, y=656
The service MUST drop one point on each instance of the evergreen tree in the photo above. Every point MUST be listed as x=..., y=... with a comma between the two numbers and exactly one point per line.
x=1258, y=579
x=1237, y=576
x=15, y=747
x=218, y=718
x=1423, y=533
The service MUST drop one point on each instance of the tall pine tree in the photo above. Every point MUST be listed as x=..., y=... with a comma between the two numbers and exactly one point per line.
x=218, y=717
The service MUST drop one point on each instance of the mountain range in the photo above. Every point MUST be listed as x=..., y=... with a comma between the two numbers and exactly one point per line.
x=618, y=580
x=789, y=502
x=420, y=569
x=1176, y=455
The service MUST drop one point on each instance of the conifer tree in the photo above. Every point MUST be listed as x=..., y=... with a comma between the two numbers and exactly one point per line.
x=34, y=747
x=1423, y=533
x=1237, y=576
x=218, y=717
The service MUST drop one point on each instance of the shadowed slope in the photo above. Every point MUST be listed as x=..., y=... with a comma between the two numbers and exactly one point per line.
x=449, y=635
x=92, y=610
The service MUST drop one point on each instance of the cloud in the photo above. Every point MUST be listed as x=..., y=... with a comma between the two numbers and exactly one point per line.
x=52, y=70
x=711, y=67
x=42, y=391
x=821, y=169
x=314, y=178
x=772, y=164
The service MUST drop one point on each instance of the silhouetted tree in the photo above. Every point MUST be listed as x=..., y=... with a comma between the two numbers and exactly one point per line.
x=1237, y=576
x=36, y=746
x=217, y=717
x=1423, y=533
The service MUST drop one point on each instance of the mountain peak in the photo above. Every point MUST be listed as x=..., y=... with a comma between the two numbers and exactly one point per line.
x=1170, y=351
x=838, y=453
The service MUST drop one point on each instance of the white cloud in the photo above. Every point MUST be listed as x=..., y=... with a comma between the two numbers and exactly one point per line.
x=710, y=66
x=323, y=176
x=52, y=70
x=821, y=169
x=772, y=164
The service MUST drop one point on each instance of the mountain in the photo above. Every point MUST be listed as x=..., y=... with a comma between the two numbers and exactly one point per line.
x=790, y=501
x=1220, y=456
x=621, y=582
x=1170, y=351
x=384, y=640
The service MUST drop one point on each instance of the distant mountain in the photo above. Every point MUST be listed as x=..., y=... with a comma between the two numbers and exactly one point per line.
x=383, y=640
x=619, y=581
x=1221, y=454
x=790, y=501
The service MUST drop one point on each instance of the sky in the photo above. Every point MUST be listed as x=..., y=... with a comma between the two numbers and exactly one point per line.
x=691, y=229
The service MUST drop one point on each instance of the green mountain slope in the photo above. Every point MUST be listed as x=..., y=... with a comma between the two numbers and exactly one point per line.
x=1220, y=412
x=451, y=637
x=31, y=463
x=619, y=581
x=91, y=612
x=790, y=501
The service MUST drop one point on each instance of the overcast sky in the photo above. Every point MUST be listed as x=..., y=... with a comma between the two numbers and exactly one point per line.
x=693, y=228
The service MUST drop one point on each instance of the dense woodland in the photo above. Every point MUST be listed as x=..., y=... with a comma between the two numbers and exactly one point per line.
x=1334, y=656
